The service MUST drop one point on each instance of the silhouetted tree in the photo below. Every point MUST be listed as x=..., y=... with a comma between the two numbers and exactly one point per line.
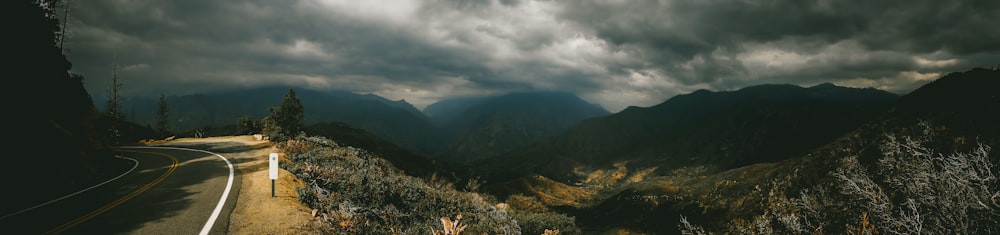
x=247, y=125
x=286, y=120
x=162, y=116
x=62, y=30
x=114, y=103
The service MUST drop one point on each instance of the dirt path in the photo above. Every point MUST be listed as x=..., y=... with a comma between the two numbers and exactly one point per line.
x=256, y=211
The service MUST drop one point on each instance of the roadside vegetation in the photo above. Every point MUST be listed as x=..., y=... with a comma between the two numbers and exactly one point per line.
x=912, y=188
x=354, y=191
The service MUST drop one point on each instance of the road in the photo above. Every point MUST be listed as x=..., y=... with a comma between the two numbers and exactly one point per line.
x=170, y=191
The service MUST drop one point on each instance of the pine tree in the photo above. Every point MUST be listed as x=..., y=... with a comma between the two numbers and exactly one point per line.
x=286, y=120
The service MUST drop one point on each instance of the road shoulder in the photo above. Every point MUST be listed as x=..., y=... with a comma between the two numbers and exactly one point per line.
x=256, y=212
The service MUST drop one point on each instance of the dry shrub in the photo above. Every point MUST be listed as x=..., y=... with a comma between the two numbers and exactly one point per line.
x=451, y=227
x=912, y=189
x=357, y=191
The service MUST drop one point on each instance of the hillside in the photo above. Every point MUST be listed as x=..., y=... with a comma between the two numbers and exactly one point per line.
x=721, y=130
x=790, y=195
x=488, y=126
x=355, y=191
x=411, y=163
x=968, y=103
x=57, y=143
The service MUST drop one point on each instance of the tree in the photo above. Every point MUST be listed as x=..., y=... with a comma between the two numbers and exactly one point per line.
x=114, y=103
x=162, y=116
x=286, y=120
x=247, y=126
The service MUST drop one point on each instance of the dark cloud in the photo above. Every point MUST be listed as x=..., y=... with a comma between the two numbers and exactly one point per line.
x=699, y=41
x=616, y=53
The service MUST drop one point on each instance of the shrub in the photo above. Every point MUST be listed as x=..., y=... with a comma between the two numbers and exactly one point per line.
x=922, y=191
x=911, y=189
x=535, y=218
x=538, y=222
x=355, y=191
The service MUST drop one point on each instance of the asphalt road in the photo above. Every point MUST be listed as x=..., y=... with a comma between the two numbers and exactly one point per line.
x=170, y=191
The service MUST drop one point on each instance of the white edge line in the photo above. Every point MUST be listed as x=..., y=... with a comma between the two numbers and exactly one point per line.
x=225, y=194
x=78, y=192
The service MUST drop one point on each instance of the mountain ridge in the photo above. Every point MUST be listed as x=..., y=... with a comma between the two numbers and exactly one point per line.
x=397, y=121
x=640, y=196
x=484, y=127
x=728, y=129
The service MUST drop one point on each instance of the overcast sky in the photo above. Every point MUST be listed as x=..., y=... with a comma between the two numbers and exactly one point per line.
x=615, y=53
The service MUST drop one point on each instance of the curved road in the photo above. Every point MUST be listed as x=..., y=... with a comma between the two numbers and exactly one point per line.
x=170, y=191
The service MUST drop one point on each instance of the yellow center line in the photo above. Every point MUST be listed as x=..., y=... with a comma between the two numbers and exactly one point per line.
x=107, y=207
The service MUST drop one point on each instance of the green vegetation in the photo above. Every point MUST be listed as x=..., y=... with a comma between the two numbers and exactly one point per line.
x=286, y=120
x=356, y=191
x=247, y=126
x=535, y=218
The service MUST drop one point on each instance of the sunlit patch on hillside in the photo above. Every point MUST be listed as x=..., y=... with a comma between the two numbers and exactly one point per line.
x=550, y=192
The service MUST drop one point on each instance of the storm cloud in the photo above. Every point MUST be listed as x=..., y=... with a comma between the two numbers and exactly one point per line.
x=612, y=52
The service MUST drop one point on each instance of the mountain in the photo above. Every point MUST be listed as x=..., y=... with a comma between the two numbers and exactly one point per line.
x=488, y=126
x=633, y=193
x=411, y=163
x=447, y=111
x=397, y=121
x=726, y=129
x=460, y=129
x=599, y=168
x=967, y=102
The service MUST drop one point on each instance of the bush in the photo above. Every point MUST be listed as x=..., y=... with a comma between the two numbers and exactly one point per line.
x=535, y=218
x=355, y=191
x=911, y=189
x=922, y=191
x=538, y=222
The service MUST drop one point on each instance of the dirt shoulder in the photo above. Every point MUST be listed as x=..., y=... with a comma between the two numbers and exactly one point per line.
x=256, y=212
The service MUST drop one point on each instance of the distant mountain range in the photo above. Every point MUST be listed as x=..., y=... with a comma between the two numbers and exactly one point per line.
x=396, y=121
x=727, y=129
x=485, y=127
x=559, y=135
x=458, y=130
x=714, y=156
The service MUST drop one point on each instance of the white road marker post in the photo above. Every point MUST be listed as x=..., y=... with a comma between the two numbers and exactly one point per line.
x=273, y=170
